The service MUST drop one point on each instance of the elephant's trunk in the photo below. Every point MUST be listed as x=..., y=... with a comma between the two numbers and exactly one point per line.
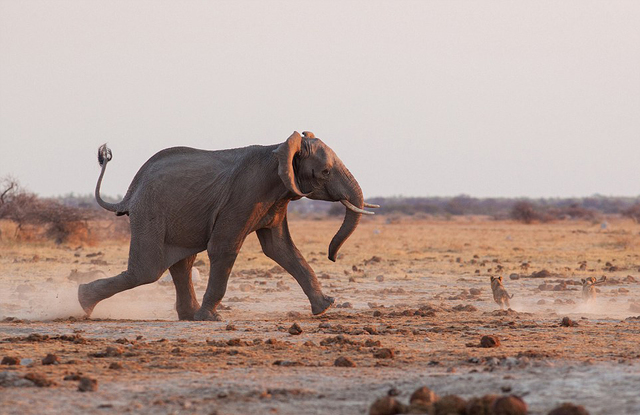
x=352, y=195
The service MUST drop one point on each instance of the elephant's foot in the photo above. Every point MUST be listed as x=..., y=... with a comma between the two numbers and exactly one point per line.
x=187, y=312
x=86, y=301
x=323, y=305
x=206, y=315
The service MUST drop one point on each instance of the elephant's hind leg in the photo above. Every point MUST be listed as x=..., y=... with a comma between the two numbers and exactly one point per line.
x=92, y=293
x=186, y=303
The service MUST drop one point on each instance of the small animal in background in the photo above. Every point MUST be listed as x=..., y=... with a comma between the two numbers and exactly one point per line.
x=500, y=294
x=589, y=287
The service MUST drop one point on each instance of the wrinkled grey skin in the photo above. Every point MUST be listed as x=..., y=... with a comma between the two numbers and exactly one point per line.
x=184, y=201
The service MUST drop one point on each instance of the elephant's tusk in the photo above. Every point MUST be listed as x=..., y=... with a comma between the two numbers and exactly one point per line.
x=371, y=205
x=354, y=208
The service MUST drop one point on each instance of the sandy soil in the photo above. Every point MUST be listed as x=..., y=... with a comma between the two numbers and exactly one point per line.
x=417, y=287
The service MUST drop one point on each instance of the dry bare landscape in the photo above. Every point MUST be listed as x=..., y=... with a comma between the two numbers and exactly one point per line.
x=413, y=302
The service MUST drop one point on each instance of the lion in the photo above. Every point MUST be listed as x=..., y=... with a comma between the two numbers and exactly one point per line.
x=500, y=294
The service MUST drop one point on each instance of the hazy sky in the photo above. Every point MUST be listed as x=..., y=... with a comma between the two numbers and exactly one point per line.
x=424, y=98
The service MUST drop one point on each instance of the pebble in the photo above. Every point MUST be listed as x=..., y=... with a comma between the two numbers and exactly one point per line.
x=510, y=405
x=489, y=341
x=423, y=394
x=51, y=359
x=569, y=409
x=384, y=353
x=87, y=384
x=481, y=406
x=450, y=405
x=343, y=361
x=10, y=360
x=386, y=406
x=295, y=329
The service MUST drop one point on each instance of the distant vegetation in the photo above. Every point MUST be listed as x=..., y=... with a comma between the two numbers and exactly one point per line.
x=78, y=218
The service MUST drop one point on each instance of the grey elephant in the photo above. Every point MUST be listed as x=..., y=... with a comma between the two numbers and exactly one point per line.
x=183, y=201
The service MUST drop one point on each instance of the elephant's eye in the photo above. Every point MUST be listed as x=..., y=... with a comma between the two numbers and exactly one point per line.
x=325, y=172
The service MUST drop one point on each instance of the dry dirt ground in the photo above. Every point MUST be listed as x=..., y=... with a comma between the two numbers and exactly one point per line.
x=417, y=287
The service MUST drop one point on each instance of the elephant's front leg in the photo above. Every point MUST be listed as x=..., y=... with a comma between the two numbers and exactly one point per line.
x=277, y=244
x=221, y=264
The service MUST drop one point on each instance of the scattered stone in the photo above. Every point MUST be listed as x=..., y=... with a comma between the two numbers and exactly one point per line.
x=540, y=274
x=230, y=327
x=475, y=291
x=87, y=384
x=423, y=394
x=450, y=405
x=380, y=278
x=343, y=361
x=569, y=409
x=51, y=359
x=567, y=322
x=39, y=380
x=295, y=329
x=489, y=341
x=384, y=353
x=345, y=305
x=387, y=406
x=467, y=307
x=481, y=406
x=115, y=366
x=13, y=379
x=10, y=361
x=110, y=351
x=393, y=392
x=514, y=276
x=510, y=405
x=542, y=302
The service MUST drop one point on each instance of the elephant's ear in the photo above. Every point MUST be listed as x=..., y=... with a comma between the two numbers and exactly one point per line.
x=285, y=153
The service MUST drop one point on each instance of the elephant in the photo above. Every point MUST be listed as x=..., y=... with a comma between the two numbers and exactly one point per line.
x=184, y=201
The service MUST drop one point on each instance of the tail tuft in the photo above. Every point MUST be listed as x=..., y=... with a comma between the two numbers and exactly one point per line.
x=104, y=154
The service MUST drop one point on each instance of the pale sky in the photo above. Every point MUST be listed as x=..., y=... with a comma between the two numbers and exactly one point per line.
x=424, y=98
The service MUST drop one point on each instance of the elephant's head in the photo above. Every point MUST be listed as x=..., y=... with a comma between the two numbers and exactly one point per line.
x=309, y=168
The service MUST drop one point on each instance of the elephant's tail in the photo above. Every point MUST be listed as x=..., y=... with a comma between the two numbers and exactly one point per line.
x=104, y=157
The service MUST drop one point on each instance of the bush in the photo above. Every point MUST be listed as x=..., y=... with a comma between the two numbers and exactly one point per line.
x=524, y=212
x=633, y=212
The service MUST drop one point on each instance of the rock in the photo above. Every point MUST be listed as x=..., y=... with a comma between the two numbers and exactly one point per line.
x=489, y=341
x=13, y=379
x=423, y=394
x=384, y=353
x=481, y=406
x=387, y=406
x=87, y=384
x=39, y=380
x=514, y=276
x=343, y=361
x=51, y=359
x=230, y=327
x=509, y=405
x=567, y=322
x=541, y=302
x=475, y=291
x=380, y=278
x=10, y=361
x=115, y=366
x=467, y=307
x=420, y=407
x=393, y=392
x=295, y=329
x=26, y=362
x=569, y=409
x=450, y=405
